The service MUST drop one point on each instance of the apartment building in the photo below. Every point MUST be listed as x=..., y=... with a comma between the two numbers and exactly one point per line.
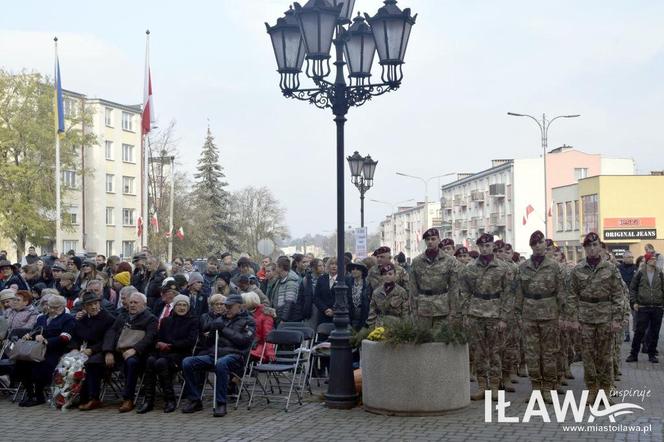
x=402, y=231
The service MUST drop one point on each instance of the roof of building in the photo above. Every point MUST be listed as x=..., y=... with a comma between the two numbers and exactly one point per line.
x=135, y=108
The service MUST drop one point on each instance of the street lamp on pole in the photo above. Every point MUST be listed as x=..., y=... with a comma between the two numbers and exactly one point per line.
x=392, y=214
x=544, y=133
x=426, y=193
x=362, y=171
x=307, y=32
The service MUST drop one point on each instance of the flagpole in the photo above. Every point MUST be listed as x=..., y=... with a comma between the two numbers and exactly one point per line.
x=170, y=212
x=144, y=147
x=58, y=208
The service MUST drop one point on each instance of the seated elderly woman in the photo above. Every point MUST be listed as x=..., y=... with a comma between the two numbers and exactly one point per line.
x=264, y=325
x=92, y=323
x=22, y=313
x=178, y=334
x=6, y=297
x=131, y=337
x=54, y=330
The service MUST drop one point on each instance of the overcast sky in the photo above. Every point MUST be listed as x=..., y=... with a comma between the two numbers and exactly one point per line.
x=468, y=63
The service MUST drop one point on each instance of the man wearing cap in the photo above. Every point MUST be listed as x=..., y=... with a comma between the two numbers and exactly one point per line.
x=595, y=305
x=390, y=300
x=139, y=276
x=164, y=305
x=383, y=257
x=236, y=330
x=433, y=285
x=243, y=268
x=486, y=293
x=540, y=303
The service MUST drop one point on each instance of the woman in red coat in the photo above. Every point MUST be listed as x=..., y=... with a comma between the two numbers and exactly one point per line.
x=264, y=325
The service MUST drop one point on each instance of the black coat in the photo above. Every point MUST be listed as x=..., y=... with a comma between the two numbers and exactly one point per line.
x=305, y=296
x=364, y=303
x=91, y=330
x=181, y=332
x=106, y=306
x=139, y=279
x=236, y=335
x=153, y=284
x=143, y=321
x=198, y=302
x=324, y=296
x=57, y=333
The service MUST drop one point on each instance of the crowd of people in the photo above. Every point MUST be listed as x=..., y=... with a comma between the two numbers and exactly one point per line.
x=523, y=317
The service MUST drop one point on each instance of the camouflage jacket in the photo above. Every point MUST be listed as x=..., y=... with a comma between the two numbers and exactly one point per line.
x=486, y=291
x=596, y=295
x=395, y=305
x=540, y=292
x=375, y=279
x=433, y=286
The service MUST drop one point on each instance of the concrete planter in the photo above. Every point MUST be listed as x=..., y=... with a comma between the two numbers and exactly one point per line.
x=414, y=380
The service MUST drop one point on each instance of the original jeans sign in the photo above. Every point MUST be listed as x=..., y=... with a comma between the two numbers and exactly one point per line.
x=630, y=234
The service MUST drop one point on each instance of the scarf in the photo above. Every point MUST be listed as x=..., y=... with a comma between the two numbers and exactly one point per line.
x=431, y=253
x=357, y=293
x=593, y=261
x=485, y=259
x=537, y=260
x=389, y=286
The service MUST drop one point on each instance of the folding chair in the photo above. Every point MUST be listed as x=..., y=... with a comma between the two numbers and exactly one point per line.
x=323, y=332
x=284, y=337
x=6, y=364
x=306, y=349
x=179, y=373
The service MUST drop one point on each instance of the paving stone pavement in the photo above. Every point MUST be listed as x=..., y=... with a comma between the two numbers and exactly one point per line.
x=313, y=421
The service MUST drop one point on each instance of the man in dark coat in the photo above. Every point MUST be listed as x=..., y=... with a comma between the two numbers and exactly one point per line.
x=141, y=319
x=236, y=331
x=88, y=336
x=140, y=274
x=627, y=270
x=156, y=273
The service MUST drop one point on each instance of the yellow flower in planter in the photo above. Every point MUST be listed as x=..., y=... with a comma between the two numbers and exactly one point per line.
x=378, y=334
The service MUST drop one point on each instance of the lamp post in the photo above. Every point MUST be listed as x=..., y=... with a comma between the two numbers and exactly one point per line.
x=544, y=133
x=362, y=171
x=426, y=193
x=307, y=33
x=393, y=213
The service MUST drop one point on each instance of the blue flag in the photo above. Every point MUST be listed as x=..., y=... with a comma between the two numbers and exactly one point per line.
x=59, y=105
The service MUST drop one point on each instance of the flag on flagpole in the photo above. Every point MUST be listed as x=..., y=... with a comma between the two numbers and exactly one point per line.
x=155, y=223
x=139, y=226
x=180, y=233
x=148, y=117
x=59, y=104
x=529, y=209
x=167, y=234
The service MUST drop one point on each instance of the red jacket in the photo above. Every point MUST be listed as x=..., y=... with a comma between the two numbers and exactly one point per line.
x=264, y=325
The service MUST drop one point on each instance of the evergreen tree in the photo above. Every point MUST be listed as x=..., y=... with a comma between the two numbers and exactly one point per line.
x=212, y=202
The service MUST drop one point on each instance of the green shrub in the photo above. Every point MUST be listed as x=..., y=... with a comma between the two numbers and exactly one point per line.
x=407, y=331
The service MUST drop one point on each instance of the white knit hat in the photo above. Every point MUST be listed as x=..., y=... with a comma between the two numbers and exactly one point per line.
x=181, y=298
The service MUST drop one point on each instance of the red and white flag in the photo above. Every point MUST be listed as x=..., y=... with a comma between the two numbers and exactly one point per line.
x=167, y=234
x=180, y=233
x=139, y=226
x=154, y=222
x=148, y=118
x=529, y=210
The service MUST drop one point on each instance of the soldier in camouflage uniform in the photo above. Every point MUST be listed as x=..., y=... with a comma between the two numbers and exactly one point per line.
x=540, y=302
x=390, y=300
x=567, y=335
x=486, y=294
x=447, y=246
x=463, y=259
x=433, y=286
x=383, y=257
x=510, y=354
x=461, y=254
x=595, y=302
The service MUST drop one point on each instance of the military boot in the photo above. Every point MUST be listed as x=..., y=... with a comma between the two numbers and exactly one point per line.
x=507, y=383
x=568, y=374
x=546, y=392
x=481, y=386
x=536, y=385
x=592, y=394
x=494, y=384
x=607, y=392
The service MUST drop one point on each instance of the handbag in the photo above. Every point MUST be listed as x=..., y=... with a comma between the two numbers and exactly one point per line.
x=31, y=351
x=129, y=338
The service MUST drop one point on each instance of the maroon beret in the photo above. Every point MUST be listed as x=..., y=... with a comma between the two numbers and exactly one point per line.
x=516, y=256
x=536, y=237
x=431, y=232
x=548, y=242
x=474, y=253
x=508, y=246
x=500, y=244
x=386, y=268
x=484, y=239
x=460, y=251
x=381, y=250
x=446, y=242
x=592, y=236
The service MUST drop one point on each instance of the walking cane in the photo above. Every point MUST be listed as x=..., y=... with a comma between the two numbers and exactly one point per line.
x=216, y=350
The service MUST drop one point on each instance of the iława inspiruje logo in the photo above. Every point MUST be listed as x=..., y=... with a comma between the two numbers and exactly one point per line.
x=580, y=410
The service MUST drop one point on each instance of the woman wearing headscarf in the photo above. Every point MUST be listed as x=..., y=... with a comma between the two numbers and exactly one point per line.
x=54, y=330
x=176, y=339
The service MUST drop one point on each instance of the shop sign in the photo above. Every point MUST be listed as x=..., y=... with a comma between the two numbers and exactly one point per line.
x=630, y=234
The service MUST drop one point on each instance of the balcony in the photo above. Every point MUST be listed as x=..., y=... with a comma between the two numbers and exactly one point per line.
x=457, y=224
x=475, y=222
x=497, y=190
x=447, y=203
x=458, y=200
x=497, y=219
x=477, y=196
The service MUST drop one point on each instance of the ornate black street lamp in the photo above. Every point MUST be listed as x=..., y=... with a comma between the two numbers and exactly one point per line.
x=362, y=171
x=306, y=33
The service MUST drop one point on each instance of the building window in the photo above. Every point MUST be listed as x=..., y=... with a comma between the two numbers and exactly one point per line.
x=560, y=214
x=590, y=206
x=569, y=215
x=127, y=121
x=109, y=183
x=128, y=185
x=71, y=215
x=128, y=217
x=580, y=173
x=110, y=217
x=69, y=107
x=69, y=178
x=127, y=153
x=127, y=248
x=576, y=214
x=108, y=150
x=108, y=117
x=109, y=248
x=68, y=245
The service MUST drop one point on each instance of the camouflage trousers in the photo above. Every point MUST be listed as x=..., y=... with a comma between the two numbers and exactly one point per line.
x=615, y=351
x=486, y=341
x=432, y=322
x=542, y=348
x=596, y=351
x=563, y=352
x=510, y=355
